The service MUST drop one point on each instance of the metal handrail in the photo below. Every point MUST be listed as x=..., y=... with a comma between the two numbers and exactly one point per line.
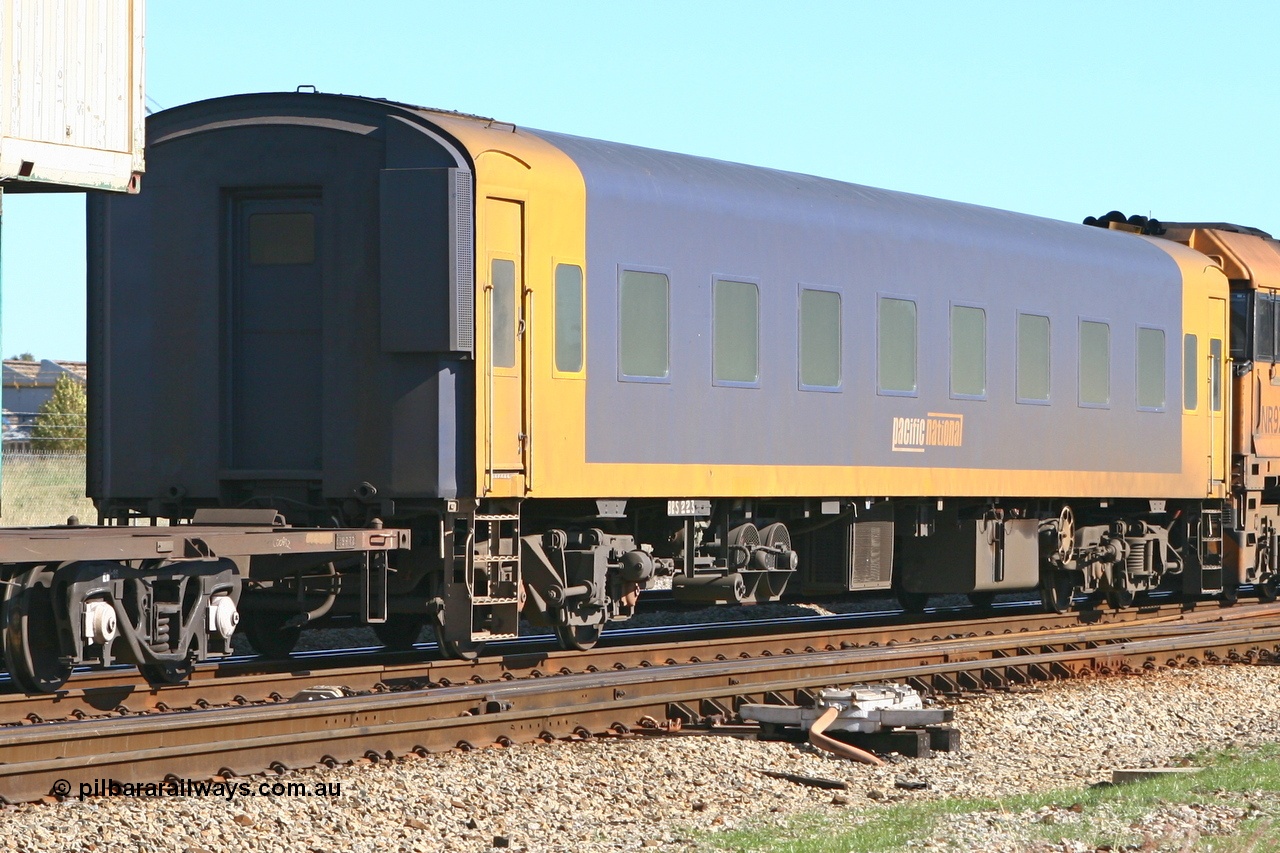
x=488, y=379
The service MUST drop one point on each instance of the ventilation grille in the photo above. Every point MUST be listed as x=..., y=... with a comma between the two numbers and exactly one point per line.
x=464, y=262
x=847, y=555
x=872, y=554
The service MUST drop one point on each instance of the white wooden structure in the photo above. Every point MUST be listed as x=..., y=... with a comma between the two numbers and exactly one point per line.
x=72, y=108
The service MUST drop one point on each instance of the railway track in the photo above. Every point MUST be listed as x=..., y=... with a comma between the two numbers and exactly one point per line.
x=119, y=692
x=436, y=705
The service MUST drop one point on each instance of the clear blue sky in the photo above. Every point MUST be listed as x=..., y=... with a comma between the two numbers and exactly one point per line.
x=1058, y=109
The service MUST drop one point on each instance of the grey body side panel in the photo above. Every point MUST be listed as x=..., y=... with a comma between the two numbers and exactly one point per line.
x=697, y=219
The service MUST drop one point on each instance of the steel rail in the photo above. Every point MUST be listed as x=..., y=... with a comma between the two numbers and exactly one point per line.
x=243, y=740
x=117, y=692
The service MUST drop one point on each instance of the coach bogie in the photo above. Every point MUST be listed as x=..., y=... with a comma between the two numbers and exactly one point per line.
x=169, y=615
x=578, y=577
x=733, y=559
x=979, y=551
x=579, y=580
x=162, y=616
x=1123, y=558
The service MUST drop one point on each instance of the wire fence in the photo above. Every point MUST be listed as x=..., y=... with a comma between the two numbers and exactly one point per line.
x=39, y=485
x=44, y=432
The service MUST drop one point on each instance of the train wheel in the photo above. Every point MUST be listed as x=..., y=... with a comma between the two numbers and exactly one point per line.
x=982, y=600
x=400, y=631
x=1267, y=589
x=1056, y=591
x=31, y=648
x=912, y=602
x=580, y=637
x=1119, y=599
x=266, y=630
x=457, y=649
x=169, y=672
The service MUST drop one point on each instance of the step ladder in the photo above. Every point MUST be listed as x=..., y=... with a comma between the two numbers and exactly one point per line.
x=495, y=575
x=482, y=582
x=1207, y=540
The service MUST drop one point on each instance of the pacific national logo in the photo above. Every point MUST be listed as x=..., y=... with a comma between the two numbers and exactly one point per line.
x=913, y=435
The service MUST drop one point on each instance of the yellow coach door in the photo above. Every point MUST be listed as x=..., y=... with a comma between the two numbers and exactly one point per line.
x=1220, y=418
x=503, y=292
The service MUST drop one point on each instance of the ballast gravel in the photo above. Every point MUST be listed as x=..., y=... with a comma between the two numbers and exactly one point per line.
x=679, y=792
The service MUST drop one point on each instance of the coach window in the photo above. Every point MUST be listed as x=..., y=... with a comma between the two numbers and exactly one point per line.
x=643, y=326
x=819, y=340
x=282, y=239
x=968, y=352
x=1151, y=369
x=1033, y=358
x=568, y=318
x=1095, y=363
x=1215, y=374
x=736, y=322
x=503, y=278
x=896, y=346
x=1190, y=374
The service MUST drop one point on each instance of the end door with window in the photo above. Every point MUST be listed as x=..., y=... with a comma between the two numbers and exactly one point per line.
x=273, y=336
x=1204, y=369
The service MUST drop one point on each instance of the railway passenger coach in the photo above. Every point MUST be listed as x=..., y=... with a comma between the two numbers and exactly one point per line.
x=566, y=364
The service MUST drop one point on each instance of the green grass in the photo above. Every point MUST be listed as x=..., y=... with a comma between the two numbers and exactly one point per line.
x=37, y=490
x=1230, y=778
